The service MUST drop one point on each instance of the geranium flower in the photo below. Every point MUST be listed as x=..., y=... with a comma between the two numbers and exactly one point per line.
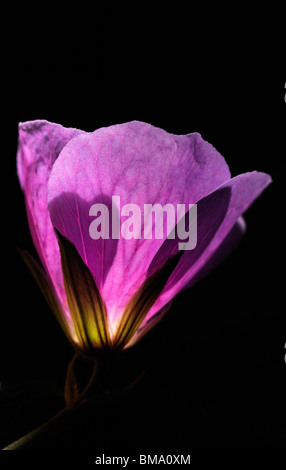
x=107, y=293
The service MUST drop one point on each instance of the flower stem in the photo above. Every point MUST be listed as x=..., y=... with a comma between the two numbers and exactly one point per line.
x=93, y=391
x=41, y=431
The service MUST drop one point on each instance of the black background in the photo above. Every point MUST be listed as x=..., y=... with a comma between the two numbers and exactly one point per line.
x=214, y=367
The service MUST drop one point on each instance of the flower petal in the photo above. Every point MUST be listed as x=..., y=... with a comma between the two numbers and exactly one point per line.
x=217, y=214
x=40, y=143
x=141, y=164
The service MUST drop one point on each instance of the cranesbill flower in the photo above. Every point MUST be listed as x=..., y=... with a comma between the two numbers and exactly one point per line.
x=107, y=292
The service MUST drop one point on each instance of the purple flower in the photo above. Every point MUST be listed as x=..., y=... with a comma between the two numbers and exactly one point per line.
x=108, y=292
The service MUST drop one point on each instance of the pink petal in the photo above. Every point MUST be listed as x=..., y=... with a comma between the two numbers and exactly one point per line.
x=141, y=164
x=217, y=215
x=40, y=143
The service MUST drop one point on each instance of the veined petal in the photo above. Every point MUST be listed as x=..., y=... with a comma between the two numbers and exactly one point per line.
x=217, y=214
x=142, y=165
x=40, y=143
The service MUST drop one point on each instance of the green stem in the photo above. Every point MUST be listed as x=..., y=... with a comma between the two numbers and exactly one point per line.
x=94, y=390
x=43, y=430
